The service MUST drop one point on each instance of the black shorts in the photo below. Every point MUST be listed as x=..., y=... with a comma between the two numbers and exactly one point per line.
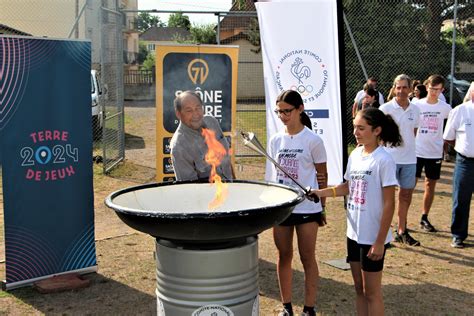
x=358, y=253
x=432, y=167
x=297, y=219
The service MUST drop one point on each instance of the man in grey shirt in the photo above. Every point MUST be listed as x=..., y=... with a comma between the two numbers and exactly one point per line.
x=188, y=147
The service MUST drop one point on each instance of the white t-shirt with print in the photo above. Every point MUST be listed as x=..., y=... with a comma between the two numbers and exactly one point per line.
x=361, y=94
x=297, y=154
x=366, y=176
x=460, y=127
x=407, y=120
x=442, y=97
x=429, y=137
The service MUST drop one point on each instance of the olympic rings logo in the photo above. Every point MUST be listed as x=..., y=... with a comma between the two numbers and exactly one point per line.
x=303, y=90
x=303, y=71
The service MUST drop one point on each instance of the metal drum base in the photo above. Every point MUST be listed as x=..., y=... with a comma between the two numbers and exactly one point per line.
x=205, y=282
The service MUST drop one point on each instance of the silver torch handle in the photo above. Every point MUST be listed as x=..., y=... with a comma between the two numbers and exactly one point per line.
x=251, y=141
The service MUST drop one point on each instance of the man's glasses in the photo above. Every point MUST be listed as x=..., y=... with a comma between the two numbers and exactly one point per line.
x=285, y=112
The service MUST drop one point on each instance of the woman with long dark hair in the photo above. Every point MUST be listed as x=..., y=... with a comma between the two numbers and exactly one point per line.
x=419, y=92
x=302, y=153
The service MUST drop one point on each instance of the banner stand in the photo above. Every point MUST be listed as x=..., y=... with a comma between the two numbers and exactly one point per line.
x=46, y=146
x=11, y=286
x=307, y=65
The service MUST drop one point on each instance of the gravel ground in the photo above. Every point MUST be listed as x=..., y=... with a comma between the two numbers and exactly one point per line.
x=433, y=279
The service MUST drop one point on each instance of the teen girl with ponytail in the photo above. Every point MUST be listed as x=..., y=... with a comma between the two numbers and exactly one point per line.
x=370, y=186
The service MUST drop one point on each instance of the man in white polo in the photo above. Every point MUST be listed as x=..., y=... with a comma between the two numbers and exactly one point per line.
x=460, y=132
x=407, y=117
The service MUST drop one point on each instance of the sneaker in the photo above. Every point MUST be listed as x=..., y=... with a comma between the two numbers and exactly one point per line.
x=457, y=243
x=405, y=238
x=410, y=240
x=307, y=313
x=284, y=312
x=398, y=237
x=426, y=226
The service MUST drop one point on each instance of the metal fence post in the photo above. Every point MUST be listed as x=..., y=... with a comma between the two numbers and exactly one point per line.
x=453, y=53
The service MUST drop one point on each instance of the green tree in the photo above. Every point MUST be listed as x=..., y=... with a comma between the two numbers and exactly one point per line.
x=204, y=34
x=393, y=37
x=241, y=4
x=463, y=51
x=142, y=52
x=146, y=20
x=179, y=20
x=438, y=11
x=253, y=35
x=200, y=34
x=149, y=62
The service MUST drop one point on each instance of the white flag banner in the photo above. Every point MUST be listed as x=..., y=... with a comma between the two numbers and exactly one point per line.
x=300, y=51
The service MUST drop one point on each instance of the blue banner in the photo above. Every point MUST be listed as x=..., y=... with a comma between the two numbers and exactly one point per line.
x=46, y=150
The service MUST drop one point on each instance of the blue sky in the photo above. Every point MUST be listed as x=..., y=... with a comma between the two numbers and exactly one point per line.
x=188, y=5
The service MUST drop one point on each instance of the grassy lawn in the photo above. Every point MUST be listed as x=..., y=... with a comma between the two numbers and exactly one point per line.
x=250, y=122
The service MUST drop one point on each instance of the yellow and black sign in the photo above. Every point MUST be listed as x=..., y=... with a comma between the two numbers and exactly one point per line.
x=210, y=71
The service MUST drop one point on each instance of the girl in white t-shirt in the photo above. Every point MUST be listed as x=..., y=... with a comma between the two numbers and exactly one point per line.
x=370, y=183
x=301, y=152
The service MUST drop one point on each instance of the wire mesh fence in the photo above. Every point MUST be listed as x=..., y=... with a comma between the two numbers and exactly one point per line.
x=111, y=62
x=101, y=22
x=48, y=18
x=389, y=37
x=239, y=28
x=381, y=39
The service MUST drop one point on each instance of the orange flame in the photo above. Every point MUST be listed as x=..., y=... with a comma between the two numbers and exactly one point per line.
x=216, y=152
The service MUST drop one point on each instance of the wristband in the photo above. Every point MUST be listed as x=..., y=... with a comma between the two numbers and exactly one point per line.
x=333, y=192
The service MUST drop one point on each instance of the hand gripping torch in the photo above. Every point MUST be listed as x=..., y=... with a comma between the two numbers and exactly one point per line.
x=251, y=141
